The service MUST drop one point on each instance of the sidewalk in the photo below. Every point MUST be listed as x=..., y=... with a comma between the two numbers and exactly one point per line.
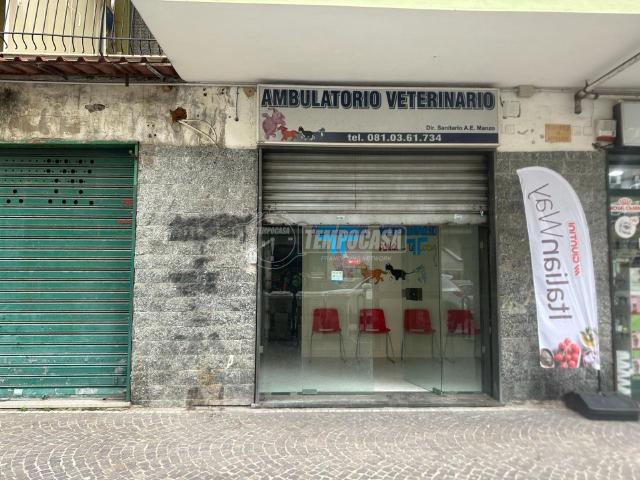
x=514, y=442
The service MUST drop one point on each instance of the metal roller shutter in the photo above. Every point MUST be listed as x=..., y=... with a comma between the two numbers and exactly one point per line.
x=382, y=187
x=66, y=264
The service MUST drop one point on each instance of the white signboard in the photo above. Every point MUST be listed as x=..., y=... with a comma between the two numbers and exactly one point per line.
x=562, y=267
x=367, y=115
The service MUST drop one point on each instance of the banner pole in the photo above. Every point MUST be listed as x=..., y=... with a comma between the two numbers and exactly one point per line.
x=599, y=381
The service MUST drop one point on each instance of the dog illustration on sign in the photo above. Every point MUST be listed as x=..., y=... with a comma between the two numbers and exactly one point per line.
x=309, y=135
x=287, y=134
x=306, y=134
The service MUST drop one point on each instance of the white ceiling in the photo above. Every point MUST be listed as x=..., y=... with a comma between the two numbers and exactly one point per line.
x=245, y=43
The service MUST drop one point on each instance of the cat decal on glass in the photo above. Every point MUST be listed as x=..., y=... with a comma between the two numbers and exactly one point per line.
x=399, y=274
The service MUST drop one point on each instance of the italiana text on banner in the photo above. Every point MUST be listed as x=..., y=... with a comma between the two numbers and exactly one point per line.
x=562, y=267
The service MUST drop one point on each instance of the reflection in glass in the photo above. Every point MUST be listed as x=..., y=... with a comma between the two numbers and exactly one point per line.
x=624, y=235
x=370, y=309
x=461, y=319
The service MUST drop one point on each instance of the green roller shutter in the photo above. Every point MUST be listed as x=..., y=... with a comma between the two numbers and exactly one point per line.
x=67, y=223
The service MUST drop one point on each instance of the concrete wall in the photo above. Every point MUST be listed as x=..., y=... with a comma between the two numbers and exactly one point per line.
x=32, y=113
x=520, y=374
x=523, y=120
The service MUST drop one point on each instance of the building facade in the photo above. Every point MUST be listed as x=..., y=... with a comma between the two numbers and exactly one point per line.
x=195, y=289
x=180, y=244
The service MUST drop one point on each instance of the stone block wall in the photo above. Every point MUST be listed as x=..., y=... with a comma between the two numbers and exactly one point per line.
x=521, y=376
x=194, y=316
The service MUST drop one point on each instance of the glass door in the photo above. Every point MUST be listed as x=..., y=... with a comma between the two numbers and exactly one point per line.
x=421, y=333
x=338, y=284
x=279, y=335
x=461, y=321
x=371, y=309
x=446, y=355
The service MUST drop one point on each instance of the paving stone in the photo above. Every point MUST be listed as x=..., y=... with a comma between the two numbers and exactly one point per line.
x=515, y=442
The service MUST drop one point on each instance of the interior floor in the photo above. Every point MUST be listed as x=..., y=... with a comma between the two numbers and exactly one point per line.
x=282, y=372
x=377, y=400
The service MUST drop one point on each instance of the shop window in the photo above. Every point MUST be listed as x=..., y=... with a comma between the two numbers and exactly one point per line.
x=371, y=309
x=624, y=236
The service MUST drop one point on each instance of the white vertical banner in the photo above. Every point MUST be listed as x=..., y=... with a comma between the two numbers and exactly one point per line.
x=562, y=266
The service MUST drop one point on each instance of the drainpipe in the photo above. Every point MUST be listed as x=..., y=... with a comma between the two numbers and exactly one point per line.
x=587, y=91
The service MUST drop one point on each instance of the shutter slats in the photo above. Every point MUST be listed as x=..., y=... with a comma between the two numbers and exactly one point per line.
x=66, y=251
x=338, y=187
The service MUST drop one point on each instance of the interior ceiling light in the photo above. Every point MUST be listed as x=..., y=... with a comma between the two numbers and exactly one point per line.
x=615, y=173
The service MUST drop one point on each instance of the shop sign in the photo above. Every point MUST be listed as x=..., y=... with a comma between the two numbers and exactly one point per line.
x=562, y=266
x=624, y=205
x=372, y=116
x=557, y=133
x=333, y=239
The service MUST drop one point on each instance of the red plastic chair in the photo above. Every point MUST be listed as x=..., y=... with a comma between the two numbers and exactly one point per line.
x=461, y=323
x=325, y=320
x=371, y=320
x=417, y=321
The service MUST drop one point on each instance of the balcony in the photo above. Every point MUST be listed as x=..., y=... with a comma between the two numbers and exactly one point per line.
x=79, y=38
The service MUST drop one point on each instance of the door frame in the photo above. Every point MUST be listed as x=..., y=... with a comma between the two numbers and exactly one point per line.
x=490, y=334
x=493, y=323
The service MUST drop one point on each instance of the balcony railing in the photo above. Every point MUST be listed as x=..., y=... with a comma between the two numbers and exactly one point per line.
x=76, y=28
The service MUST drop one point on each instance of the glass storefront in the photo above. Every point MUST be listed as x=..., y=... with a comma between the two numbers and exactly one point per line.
x=624, y=238
x=372, y=309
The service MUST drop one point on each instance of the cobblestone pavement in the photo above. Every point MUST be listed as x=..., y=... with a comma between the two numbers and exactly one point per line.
x=531, y=441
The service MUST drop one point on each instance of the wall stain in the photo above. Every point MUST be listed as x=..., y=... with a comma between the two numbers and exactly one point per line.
x=191, y=283
x=178, y=114
x=208, y=381
x=204, y=228
x=195, y=338
x=199, y=321
x=194, y=398
x=199, y=262
x=95, y=107
x=8, y=100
